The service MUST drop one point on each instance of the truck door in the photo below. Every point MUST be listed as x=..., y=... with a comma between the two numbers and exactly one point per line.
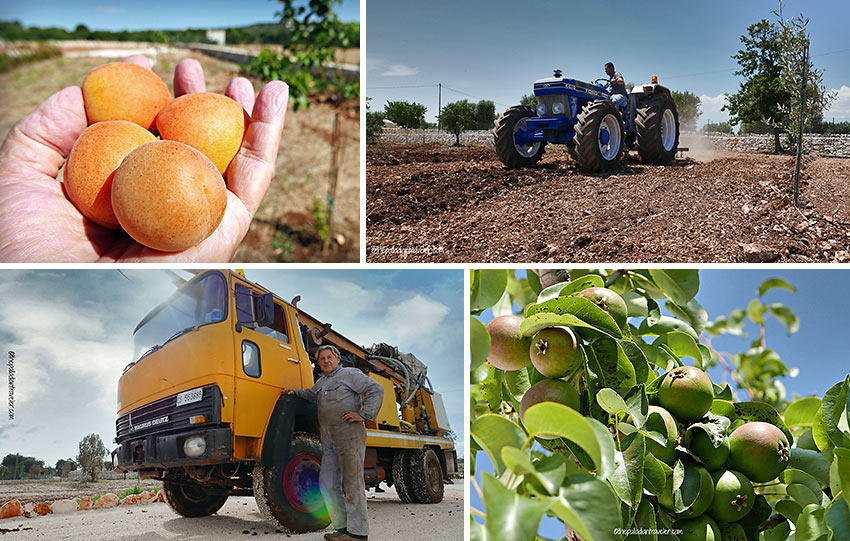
x=267, y=360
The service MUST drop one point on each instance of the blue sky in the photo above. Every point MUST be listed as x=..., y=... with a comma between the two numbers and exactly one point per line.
x=818, y=349
x=72, y=334
x=152, y=14
x=480, y=49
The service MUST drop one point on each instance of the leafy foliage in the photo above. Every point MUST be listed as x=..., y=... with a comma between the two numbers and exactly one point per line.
x=591, y=468
x=374, y=124
x=90, y=457
x=688, y=106
x=405, y=114
x=717, y=127
x=458, y=117
x=529, y=100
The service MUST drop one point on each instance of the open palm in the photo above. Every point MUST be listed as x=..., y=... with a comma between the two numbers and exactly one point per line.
x=38, y=223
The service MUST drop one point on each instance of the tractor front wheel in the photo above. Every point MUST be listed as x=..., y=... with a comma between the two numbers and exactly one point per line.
x=657, y=127
x=510, y=153
x=599, y=136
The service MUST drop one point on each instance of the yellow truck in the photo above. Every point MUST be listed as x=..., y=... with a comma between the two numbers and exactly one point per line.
x=200, y=406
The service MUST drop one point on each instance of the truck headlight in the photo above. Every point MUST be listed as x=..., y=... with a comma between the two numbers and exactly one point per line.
x=194, y=446
x=558, y=108
x=541, y=109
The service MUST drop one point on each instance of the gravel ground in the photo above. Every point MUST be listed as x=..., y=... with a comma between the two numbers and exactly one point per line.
x=239, y=518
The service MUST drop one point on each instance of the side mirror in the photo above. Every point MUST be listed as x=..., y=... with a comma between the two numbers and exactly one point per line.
x=265, y=310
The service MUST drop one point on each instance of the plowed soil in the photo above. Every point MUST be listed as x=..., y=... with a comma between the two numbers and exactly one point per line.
x=437, y=203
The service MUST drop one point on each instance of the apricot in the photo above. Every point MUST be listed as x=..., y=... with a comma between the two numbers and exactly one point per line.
x=122, y=91
x=168, y=196
x=211, y=123
x=96, y=155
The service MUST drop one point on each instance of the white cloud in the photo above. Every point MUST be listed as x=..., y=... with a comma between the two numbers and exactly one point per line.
x=840, y=108
x=415, y=320
x=400, y=70
x=712, y=104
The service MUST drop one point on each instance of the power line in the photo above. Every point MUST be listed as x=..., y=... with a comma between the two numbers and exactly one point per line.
x=472, y=96
x=407, y=86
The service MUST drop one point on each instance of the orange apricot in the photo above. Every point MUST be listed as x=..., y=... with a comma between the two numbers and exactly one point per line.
x=123, y=91
x=211, y=123
x=168, y=196
x=95, y=156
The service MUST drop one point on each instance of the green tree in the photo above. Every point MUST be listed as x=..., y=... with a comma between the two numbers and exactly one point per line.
x=688, y=106
x=90, y=456
x=485, y=114
x=761, y=97
x=374, y=123
x=405, y=114
x=717, y=127
x=458, y=117
x=529, y=100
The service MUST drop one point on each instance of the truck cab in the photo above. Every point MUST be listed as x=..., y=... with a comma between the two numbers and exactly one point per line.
x=200, y=406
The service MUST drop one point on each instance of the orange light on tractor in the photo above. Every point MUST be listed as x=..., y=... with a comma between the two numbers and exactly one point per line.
x=655, y=79
x=197, y=419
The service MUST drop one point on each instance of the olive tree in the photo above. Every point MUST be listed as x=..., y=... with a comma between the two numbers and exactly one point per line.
x=90, y=457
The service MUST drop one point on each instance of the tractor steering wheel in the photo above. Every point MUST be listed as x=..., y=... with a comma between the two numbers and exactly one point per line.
x=603, y=83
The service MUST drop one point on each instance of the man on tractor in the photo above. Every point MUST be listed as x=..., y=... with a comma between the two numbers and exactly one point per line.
x=617, y=86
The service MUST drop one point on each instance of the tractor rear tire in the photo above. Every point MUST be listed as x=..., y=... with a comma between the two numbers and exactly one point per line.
x=288, y=494
x=657, y=128
x=426, y=476
x=192, y=499
x=401, y=475
x=509, y=153
x=591, y=151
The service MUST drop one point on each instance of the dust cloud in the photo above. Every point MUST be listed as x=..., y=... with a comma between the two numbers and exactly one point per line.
x=700, y=147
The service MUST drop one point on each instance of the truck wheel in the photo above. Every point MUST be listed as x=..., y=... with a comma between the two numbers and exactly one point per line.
x=401, y=475
x=510, y=153
x=288, y=493
x=192, y=499
x=657, y=127
x=599, y=136
x=426, y=476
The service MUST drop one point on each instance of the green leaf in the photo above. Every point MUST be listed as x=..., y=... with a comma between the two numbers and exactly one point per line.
x=681, y=344
x=537, y=322
x=786, y=316
x=486, y=288
x=811, y=525
x=505, y=306
x=517, y=382
x=664, y=325
x=756, y=311
x=759, y=411
x=655, y=475
x=517, y=461
x=491, y=388
x=610, y=401
x=589, y=506
x=636, y=303
x=479, y=342
x=842, y=460
x=479, y=374
x=637, y=359
x=820, y=435
x=792, y=476
x=788, y=509
x=583, y=309
x=637, y=404
x=627, y=478
x=533, y=281
x=837, y=519
x=780, y=532
x=611, y=365
x=802, y=412
x=680, y=285
x=723, y=393
x=692, y=312
x=802, y=495
x=550, y=418
x=563, y=289
x=645, y=521
x=715, y=427
x=725, y=408
x=510, y=517
x=811, y=462
x=550, y=471
x=772, y=283
x=494, y=432
x=606, y=448
x=835, y=411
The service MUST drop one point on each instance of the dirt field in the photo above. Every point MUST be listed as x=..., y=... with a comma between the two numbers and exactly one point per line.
x=442, y=204
x=35, y=491
x=283, y=229
x=389, y=518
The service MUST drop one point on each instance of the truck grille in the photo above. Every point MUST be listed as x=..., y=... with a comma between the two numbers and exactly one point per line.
x=163, y=416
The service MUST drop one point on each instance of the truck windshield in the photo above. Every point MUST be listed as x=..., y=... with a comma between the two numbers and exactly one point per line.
x=200, y=303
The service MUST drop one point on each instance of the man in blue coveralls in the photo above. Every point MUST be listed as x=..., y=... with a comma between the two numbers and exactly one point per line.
x=617, y=86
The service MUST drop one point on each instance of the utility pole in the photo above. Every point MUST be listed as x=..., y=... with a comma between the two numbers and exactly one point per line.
x=439, y=103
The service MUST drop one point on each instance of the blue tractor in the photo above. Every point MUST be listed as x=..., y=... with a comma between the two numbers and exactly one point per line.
x=581, y=116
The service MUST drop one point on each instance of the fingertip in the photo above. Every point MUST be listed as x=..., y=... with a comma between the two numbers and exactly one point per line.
x=271, y=102
x=241, y=90
x=188, y=77
x=138, y=60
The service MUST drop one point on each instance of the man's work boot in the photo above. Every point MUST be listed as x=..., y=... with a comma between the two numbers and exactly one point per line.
x=335, y=536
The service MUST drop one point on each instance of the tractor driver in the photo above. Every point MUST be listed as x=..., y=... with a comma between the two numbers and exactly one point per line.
x=617, y=86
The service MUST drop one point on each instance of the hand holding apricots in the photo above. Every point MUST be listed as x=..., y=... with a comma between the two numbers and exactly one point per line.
x=176, y=209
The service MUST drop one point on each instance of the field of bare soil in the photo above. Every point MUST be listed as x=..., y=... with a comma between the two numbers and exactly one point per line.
x=284, y=228
x=438, y=203
x=50, y=491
